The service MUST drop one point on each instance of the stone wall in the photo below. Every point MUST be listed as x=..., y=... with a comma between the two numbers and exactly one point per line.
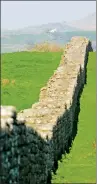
x=32, y=140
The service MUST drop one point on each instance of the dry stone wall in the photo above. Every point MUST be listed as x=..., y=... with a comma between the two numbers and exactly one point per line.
x=32, y=140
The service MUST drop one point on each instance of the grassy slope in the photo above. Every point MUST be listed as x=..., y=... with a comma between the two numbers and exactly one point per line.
x=28, y=72
x=80, y=165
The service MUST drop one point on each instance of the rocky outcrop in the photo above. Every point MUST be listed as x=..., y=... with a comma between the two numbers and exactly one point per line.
x=32, y=140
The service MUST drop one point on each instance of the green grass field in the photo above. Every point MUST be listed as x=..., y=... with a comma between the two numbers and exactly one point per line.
x=23, y=74
x=79, y=166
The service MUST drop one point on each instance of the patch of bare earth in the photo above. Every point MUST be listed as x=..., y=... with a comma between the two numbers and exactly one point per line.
x=47, y=47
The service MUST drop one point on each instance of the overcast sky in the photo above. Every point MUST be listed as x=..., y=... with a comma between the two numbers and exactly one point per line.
x=15, y=14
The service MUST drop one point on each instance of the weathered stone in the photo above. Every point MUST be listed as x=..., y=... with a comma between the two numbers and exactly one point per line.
x=8, y=111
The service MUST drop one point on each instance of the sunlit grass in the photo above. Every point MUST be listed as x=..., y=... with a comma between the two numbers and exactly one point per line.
x=23, y=74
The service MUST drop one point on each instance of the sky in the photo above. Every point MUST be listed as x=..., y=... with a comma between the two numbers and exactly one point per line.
x=20, y=14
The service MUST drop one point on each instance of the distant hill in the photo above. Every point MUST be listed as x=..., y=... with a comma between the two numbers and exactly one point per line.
x=40, y=29
x=88, y=23
x=27, y=41
x=60, y=33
